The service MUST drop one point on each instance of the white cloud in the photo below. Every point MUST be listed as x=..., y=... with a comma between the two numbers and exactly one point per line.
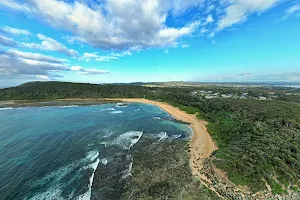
x=76, y=68
x=53, y=66
x=16, y=6
x=15, y=31
x=209, y=19
x=5, y=41
x=112, y=56
x=118, y=24
x=293, y=10
x=89, y=56
x=17, y=63
x=83, y=71
x=203, y=30
x=14, y=63
x=34, y=56
x=239, y=10
x=42, y=77
x=180, y=6
x=185, y=46
x=49, y=44
x=106, y=58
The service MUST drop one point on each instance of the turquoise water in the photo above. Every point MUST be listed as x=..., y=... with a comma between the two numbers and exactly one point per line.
x=76, y=152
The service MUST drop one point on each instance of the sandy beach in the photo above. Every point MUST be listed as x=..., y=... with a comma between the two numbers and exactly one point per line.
x=201, y=144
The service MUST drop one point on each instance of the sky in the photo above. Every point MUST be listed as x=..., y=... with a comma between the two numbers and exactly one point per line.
x=121, y=41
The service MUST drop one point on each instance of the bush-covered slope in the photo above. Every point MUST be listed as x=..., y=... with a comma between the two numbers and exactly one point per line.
x=259, y=141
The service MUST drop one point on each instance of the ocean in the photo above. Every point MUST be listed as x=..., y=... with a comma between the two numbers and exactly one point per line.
x=76, y=152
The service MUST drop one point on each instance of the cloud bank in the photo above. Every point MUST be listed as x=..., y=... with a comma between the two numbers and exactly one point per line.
x=115, y=24
x=123, y=24
x=15, y=63
x=49, y=44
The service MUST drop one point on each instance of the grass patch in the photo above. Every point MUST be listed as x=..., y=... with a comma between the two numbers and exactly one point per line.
x=276, y=188
x=295, y=188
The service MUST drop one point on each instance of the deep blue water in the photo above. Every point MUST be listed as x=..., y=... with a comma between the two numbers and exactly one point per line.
x=60, y=152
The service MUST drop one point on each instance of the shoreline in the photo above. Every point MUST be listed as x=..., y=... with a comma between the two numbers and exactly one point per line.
x=201, y=144
x=59, y=102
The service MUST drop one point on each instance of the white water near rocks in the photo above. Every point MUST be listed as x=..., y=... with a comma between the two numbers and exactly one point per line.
x=75, y=151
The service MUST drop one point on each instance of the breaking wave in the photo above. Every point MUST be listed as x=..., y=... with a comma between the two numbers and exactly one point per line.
x=121, y=105
x=70, y=106
x=87, y=195
x=8, y=108
x=162, y=136
x=55, y=179
x=156, y=118
x=116, y=112
x=128, y=139
x=176, y=136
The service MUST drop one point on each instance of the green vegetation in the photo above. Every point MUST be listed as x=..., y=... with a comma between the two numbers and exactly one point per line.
x=276, y=188
x=187, y=109
x=257, y=140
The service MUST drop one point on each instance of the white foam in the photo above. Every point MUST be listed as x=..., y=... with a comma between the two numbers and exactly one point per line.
x=53, y=192
x=162, y=136
x=128, y=139
x=8, y=108
x=121, y=105
x=137, y=110
x=70, y=106
x=105, y=144
x=156, y=118
x=104, y=161
x=87, y=195
x=176, y=136
x=105, y=109
x=92, y=155
x=55, y=177
x=116, y=112
x=126, y=173
x=50, y=194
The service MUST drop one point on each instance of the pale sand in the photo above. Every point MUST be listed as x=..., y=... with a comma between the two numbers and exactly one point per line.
x=201, y=144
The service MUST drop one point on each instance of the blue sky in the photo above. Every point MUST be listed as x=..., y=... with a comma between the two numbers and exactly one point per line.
x=109, y=41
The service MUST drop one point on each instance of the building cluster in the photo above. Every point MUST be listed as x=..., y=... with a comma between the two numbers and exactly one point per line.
x=207, y=94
